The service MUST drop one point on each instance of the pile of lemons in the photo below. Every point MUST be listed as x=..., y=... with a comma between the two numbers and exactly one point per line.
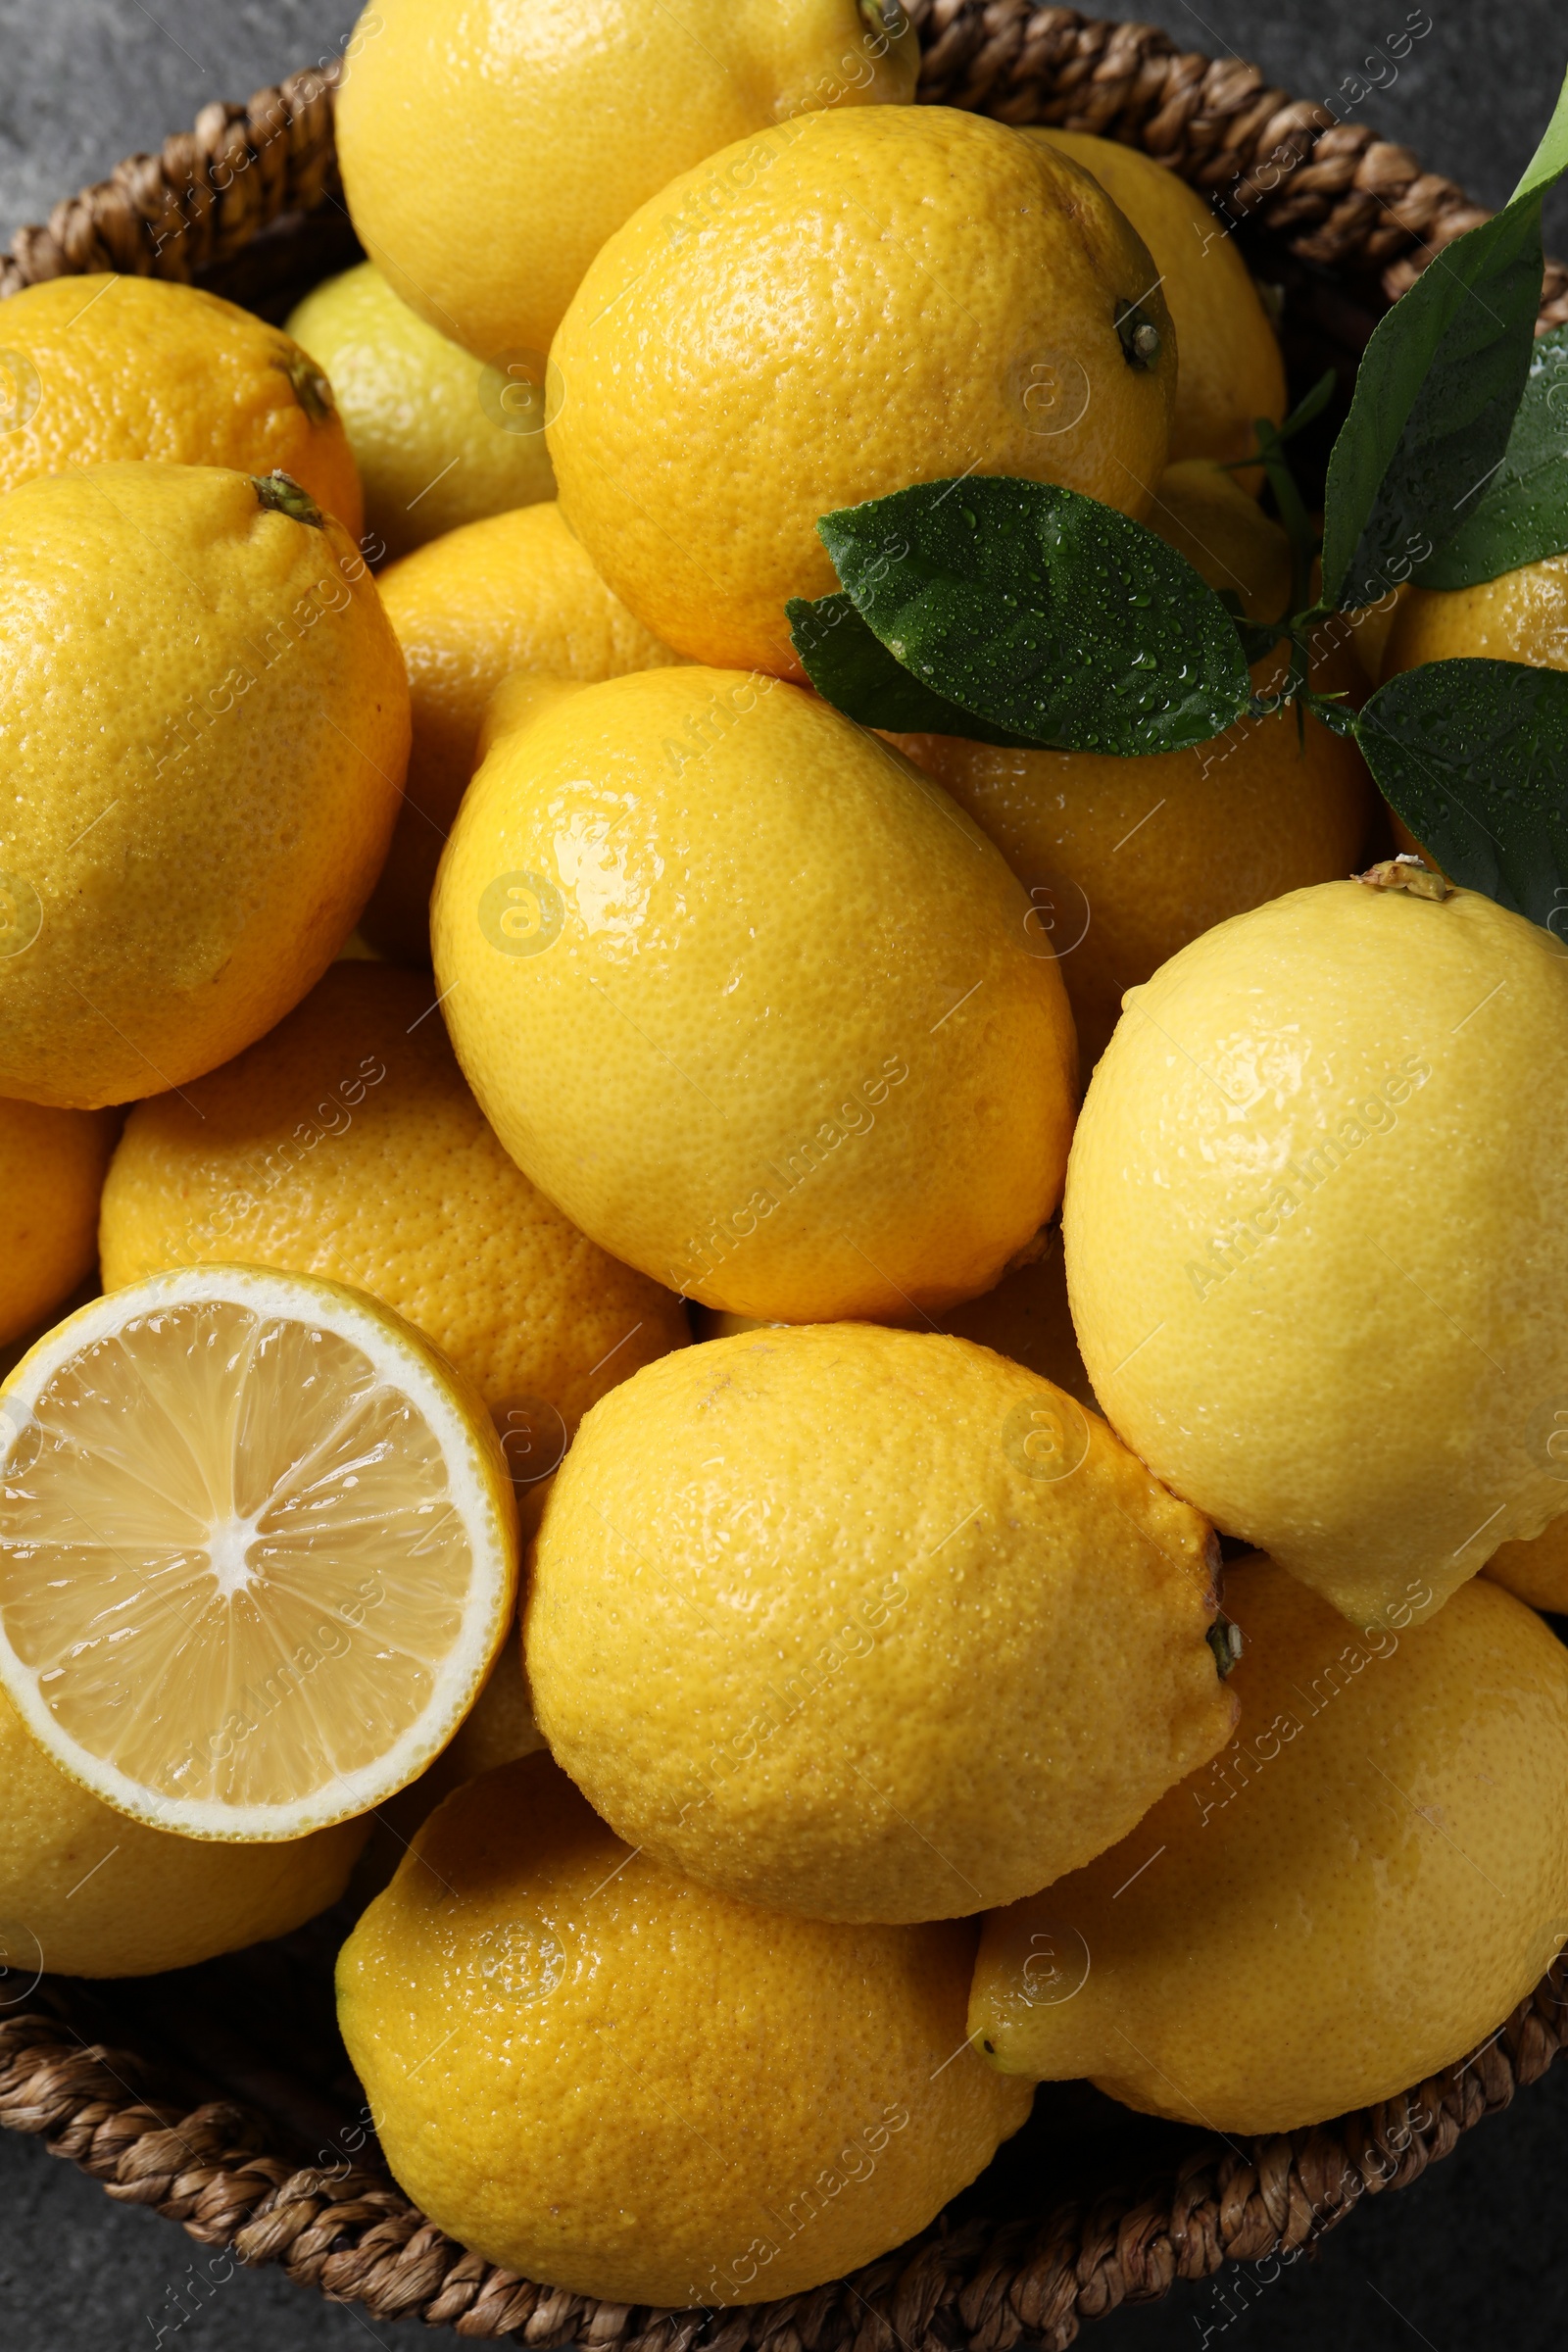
x=580, y=1363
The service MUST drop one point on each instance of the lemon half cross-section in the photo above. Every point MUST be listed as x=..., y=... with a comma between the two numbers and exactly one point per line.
x=258, y=1551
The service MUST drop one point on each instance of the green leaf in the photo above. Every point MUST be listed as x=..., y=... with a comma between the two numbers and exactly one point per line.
x=1474, y=756
x=1436, y=393
x=1522, y=514
x=1047, y=615
x=854, y=671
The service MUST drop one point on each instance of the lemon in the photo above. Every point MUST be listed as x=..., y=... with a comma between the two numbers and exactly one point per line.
x=1521, y=615
x=346, y=1144
x=511, y=593
x=86, y=1893
x=487, y=156
x=1205, y=515
x=439, y=441
x=52, y=1165
x=1231, y=369
x=867, y=1624
x=1316, y=1217
x=830, y=313
x=258, y=1551
x=1349, y=1898
x=1127, y=859
x=105, y=367
x=597, y=2073
x=751, y=999
x=1536, y=1571
x=203, y=719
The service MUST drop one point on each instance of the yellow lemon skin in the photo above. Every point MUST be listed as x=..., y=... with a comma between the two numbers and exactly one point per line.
x=1356, y=1892
x=1536, y=1571
x=1127, y=859
x=205, y=718
x=600, y=2074
x=867, y=1624
x=439, y=441
x=1205, y=515
x=1232, y=370
x=1520, y=616
x=751, y=999
x=52, y=1165
x=826, y=313
x=513, y=593
x=346, y=1144
x=106, y=369
x=1316, y=1212
x=85, y=1891
x=488, y=154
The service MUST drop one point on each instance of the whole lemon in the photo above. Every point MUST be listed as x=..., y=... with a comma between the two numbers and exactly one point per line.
x=205, y=720
x=1202, y=513
x=867, y=1624
x=52, y=1165
x=751, y=999
x=1231, y=371
x=86, y=1892
x=514, y=593
x=439, y=441
x=1520, y=616
x=1316, y=1218
x=346, y=1144
x=830, y=313
x=1536, y=1571
x=487, y=155
x=109, y=368
x=599, y=2074
x=1126, y=859
x=1347, y=1899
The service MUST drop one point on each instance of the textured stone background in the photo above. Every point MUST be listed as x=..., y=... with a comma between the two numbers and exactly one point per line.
x=1474, y=2254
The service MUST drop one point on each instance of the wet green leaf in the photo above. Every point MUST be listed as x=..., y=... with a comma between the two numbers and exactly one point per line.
x=1521, y=515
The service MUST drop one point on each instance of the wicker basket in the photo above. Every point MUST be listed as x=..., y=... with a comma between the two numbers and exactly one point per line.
x=254, y=2133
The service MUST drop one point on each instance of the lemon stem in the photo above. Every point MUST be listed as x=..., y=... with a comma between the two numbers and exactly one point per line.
x=281, y=494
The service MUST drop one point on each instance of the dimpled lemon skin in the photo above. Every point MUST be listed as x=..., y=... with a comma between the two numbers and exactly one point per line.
x=1352, y=1895
x=1232, y=370
x=1316, y=1212
x=105, y=369
x=1520, y=616
x=600, y=2074
x=867, y=1624
x=827, y=313
x=513, y=593
x=489, y=150
x=205, y=719
x=346, y=1144
x=52, y=1165
x=438, y=441
x=751, y=999
x=102, y=1895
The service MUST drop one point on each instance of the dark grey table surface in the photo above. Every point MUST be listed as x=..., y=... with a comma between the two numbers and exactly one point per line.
x=1477, y=2253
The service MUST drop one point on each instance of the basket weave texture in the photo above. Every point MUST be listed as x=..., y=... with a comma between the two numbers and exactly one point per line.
x=249, y=203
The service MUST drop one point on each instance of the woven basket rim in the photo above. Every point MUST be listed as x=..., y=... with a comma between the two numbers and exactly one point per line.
x=1357, y=218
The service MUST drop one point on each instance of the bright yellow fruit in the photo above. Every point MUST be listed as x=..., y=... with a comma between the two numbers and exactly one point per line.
x=751, y=999
x=828, y=313
x=867, y=1624
x=1520, y=616
x=52, y=1166
x=511, y=593
x=489, y=152
x=1125, y=860
x=1316, y=1225
x=258, y=1551
x=1536, y=1571
x=205, y=721
x=1349, y=1898
x=439, y=440
x=105, y=367
x=599, y=2074
x=346, y=1144
x=1205, y=515
x=86, y=1893
x=1231, y=371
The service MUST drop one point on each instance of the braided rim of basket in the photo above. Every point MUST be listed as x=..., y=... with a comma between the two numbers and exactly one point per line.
x=1342, y=199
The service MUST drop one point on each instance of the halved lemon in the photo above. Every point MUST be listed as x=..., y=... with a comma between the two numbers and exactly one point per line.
x=258, y=1549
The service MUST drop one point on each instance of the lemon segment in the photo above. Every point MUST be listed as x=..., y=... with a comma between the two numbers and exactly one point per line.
x=257, y=1550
